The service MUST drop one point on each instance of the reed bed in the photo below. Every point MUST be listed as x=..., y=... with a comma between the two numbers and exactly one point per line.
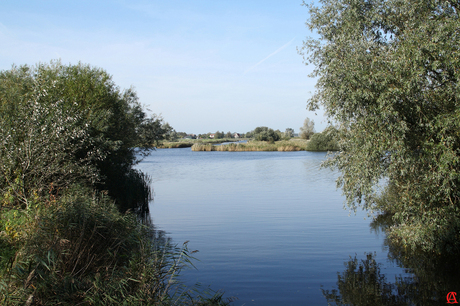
x=187, y=143
x=174, y=145
x=203, y=147
x=78, y=249
x=281, y=146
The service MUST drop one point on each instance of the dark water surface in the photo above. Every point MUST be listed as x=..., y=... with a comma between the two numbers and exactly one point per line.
x=269, y=226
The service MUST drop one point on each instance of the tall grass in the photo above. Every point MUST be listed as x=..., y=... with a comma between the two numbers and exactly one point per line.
x=132, y=192
x=174, y=145
x=253, y=146
x=186, y=143
x=80, y=250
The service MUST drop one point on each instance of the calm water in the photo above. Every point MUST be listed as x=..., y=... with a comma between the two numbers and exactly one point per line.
x=269, y=226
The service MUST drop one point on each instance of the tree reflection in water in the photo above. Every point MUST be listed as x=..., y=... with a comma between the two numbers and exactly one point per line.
x=431, y=278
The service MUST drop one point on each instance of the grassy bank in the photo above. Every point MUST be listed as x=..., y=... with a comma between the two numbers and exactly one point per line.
x=187, y=143
x=282, y=146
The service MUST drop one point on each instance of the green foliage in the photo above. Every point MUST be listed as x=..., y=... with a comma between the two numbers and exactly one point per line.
x=324, y=141
x=289, y=133
x=263, y=133
x=308, y=129
x=388, y=74
x=170, y=133
x=67, y=151
x=249, y=134
x=152, y=131
x=44, y=142
x=65, y=124
x=219, y=135
x=83, y=250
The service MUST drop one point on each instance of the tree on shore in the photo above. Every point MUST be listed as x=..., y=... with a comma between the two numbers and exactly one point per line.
x=388, y=74
x=73, y=115
x=324, y=141
x=219, y=135
x=308, y=129
x=263, y=133
x=289, y=133
x=71, y=201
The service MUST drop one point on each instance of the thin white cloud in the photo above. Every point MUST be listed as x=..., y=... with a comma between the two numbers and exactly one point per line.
x=277, y=51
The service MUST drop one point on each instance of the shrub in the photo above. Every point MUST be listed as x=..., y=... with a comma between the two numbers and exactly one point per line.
x=265, y=134
x=66, y=124
x=67, y=137
x=324, y=141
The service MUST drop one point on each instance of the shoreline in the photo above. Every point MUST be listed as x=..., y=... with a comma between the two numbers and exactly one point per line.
x=280, y=146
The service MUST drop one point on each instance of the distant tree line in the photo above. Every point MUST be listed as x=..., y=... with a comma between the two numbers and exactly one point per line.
x=263, y=133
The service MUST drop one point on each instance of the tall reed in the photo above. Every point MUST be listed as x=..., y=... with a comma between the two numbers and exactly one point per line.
x=82, y=251
x=252, y=146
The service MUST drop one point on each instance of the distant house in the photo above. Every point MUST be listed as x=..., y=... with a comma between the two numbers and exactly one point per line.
x=236, y=135
x=211, y=136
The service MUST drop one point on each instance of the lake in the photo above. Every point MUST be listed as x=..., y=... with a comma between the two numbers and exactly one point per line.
x=269, y=226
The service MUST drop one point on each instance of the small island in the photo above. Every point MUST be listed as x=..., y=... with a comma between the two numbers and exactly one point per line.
x=259, y=139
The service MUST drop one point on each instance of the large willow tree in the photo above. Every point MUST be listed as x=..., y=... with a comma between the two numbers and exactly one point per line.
x=389, y=74
x=63, y=124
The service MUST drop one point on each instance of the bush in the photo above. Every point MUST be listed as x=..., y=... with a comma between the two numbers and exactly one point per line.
x=263, y=133
x=325, y=141
x=67, y=137
x=65, y=124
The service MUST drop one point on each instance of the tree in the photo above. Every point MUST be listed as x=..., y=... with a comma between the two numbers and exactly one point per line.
x=61, y=124
x=171, y=133
x=219, y=135
x=66, y=131
x=43, y=145
x=324, y=141
x=260, y=129
x=388, y=73
x=263, y=133
x=249, y=134
x=153, y=130
x=279, y=133
x=289, y=133
x=181, y=134
x=307, y=129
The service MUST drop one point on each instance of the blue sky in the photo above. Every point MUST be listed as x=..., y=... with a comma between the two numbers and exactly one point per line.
x=203, y=65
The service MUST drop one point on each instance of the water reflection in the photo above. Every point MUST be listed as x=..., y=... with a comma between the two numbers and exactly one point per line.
x=430, y=278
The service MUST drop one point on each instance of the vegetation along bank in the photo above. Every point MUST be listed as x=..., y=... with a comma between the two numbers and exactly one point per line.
x=74, y=225
x=388, y=76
